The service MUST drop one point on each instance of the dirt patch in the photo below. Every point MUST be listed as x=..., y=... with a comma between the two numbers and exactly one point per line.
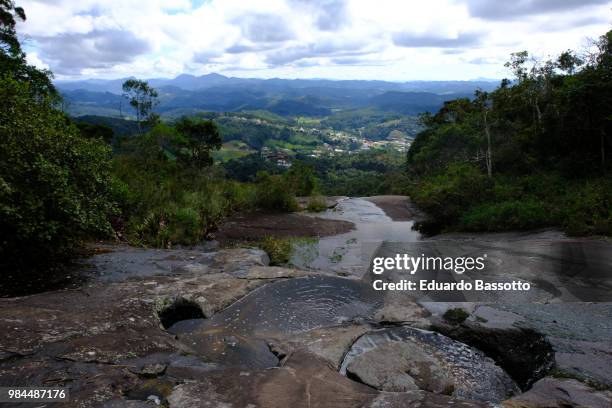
x=255, y=226
x=398, y=208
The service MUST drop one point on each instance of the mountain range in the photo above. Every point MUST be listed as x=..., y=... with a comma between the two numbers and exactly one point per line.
x=187, y=94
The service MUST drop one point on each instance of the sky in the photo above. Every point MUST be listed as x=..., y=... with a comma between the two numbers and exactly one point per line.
x=394, y=40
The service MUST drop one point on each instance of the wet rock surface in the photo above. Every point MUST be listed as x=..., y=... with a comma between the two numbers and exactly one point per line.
x=237, y=335
x=211, y=327
x=530, y=341
x=403, y=359
x=524, y=353
x=557, y=392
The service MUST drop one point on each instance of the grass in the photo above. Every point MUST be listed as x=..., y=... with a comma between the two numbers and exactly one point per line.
x=278, y=249
x=316, y=204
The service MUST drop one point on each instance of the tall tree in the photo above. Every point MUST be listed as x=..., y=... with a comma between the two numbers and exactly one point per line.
x=12, y=58
x=197, y=139
x=142, y=98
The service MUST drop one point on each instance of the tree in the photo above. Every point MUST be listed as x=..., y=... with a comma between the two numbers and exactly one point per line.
x=569, y=62
x=301, y=179
x=517, y=65
x=13, y=59
x=54, y=183
x=142, y=98
x=197, y=138
x=482, y=101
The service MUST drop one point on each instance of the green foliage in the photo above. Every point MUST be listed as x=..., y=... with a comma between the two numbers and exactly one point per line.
x=246, y=168
x=507, y=215
x=197, y=139
x=316, y=204
x=455, y=316
x=301, y=179
x=273, y=193
x=54, y=183
x=373, y=124
x=167, y=202
x=99, y=132
x=586, y=208
x=13, y=62
x=279, y=249
x=446, y=195
x=530, y=155
x=142, y=99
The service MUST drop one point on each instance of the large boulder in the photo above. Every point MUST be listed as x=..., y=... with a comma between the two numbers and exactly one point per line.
x=399, y=367
x=404, y=358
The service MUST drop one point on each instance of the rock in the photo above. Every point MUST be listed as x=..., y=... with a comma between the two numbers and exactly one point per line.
x=237, y=261
x=588, y=361
x=524, y=354
x=280, y=310
x=153, y=370
x=329, y=343
x=274, y=272
x=99, y=339
x=554, y=392
x=421, y=399
x=396, y=358
x=529, y=340
x=398, y=308
x=400, y=367
x=304, y=381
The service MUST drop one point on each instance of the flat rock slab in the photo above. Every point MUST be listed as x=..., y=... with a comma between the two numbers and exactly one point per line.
x=305, y=381
x=404, y=358
x=555, y=392
x=238, y=335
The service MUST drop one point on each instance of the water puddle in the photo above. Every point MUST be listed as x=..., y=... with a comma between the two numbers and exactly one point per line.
x=349, y=254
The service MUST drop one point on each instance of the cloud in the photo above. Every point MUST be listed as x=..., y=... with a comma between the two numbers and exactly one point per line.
x=72, y=52
x=485, y=61
x=329, y=15
x=300, y=38
x=505, y=10
x=412, y=40
x=264, y=28
x=244, y=48
x=325, y=48
x=206, y=57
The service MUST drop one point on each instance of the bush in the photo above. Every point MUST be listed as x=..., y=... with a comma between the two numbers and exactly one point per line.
x=455, y=316
x=55, y=185
x=165, y=202
x=274, y=194
x=279, y=249
x=316, y=204
x=587, y=209
x=507, y=215
x=447, y=195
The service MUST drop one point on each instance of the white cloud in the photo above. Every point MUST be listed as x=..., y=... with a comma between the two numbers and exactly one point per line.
x=388, y=39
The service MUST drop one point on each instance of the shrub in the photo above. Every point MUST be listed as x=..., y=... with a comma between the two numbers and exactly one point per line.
x=507, y=215
x=274, y=194
x=587, y=208
x=446, y=195
x=165, y=202
x=279, y=249
x=55, y=185
x=316, y=204
x=455, y=316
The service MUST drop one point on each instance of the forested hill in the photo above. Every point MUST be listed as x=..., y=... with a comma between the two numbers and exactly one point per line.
x=536, y=152
x=188, y=94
